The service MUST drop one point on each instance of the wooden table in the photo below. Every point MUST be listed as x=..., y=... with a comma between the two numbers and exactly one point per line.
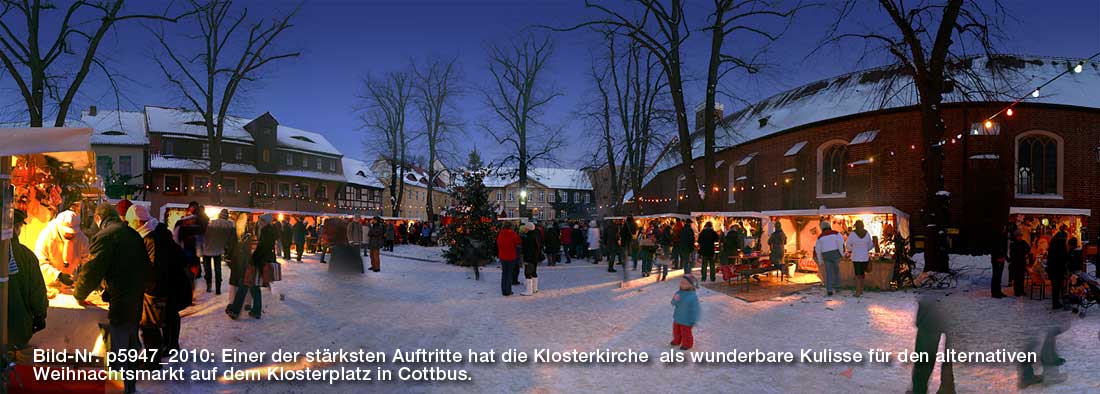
x=878, y=278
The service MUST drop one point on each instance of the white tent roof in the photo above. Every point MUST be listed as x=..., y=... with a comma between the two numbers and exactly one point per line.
x=1049, y=211
x=738, y=214
x=839, y=211
x=45, y=139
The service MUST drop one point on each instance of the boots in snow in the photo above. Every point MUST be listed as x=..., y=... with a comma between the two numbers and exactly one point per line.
x=536, y=282
x=529, y=287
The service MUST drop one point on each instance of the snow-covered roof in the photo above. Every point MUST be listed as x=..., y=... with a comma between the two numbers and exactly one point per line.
x=795, y=148
x=357, y=172
x=293, y=138
x=985, y=157
x=175, y=163
x=790, y=171
x=325, y=176
x=860, y=162
x=182, y=121
x=554, y=178
x=116, y=127
x=864, y=137
x=877, y=89
x=742, y=178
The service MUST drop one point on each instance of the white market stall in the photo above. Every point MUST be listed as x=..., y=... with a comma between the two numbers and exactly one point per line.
x=755, y=224
x=44, y=171
x=802, y=228
x=1038, y=224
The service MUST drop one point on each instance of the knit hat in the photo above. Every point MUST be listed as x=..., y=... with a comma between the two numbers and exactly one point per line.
x=530, y=226
x=68, y=222
x=139, y=212
x=692, y=280
x=123, y=206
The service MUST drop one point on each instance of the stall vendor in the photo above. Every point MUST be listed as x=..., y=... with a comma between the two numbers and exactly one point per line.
x=27, y=303
x=61, y=248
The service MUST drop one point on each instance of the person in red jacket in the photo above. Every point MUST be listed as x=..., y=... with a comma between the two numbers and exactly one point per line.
x=508, y=243
x=566, y=241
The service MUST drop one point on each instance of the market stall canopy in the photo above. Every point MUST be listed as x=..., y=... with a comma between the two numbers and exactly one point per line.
x=737, y=214
x=46, y=139
x=839, y=211
x=399, y=218
x=662, y=215
x=1049, y=211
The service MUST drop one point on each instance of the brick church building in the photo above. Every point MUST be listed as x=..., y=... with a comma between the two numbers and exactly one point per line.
x=853, y=141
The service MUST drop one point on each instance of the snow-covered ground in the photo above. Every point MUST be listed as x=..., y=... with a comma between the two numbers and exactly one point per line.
x=418, y=304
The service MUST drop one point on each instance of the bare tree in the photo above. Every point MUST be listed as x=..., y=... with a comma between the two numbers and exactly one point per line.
x=661, y=30
x=36, y=70
x=931, y=43
x=628, y=109
x=210, y=79
x=436, y=88
x=731, y=17
x=385, y=104
x=517, y=96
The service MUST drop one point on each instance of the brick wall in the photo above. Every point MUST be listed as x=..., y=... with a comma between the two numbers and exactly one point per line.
x=982, y=189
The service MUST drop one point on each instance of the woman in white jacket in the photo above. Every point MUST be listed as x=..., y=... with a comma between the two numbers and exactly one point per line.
x=859, y=245
x=828, y=250
x=594, y=241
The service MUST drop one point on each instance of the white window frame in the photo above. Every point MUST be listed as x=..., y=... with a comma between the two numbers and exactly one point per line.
x=511, y=195
x=129, y=168
x=289, y=159
x=820, y=169
x=500, y=195
x=1016, y=163
x=225, y=185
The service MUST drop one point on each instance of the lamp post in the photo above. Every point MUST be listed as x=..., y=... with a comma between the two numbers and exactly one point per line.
x=522, y=201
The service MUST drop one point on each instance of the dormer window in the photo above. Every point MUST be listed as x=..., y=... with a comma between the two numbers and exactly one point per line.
x=196, y=123
x=302, y=138
x=113, y=132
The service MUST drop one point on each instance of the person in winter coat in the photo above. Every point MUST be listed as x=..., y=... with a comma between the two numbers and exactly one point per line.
x=187, y=232
x=286, y=237
x=565, y=236
x=253, y=278
x=169, y=290
x=708, y=242
x=610, y=244
x=675, y=242
x=647, y=247
x=1020, y=255
x=1057, y=255
x=218, y=233
x=390, y=233
x=377, y=237
x=300, y=237
x=592, y=238
x=859, y=245
x=532, y=253
x=356, y=235
x=61, y=248
x=628, y=239
x=552, y=244
x=27, y=303
x=508, y=242
x=120, y=260
x=686, y=243
x=997, y=257
x=686, y=313
x=828, y=250
x=777, y=242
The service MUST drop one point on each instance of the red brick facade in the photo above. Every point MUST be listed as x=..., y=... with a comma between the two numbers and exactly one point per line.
x=887, y=172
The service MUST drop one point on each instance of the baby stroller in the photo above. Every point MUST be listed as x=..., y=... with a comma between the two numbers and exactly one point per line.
x=1082, y=293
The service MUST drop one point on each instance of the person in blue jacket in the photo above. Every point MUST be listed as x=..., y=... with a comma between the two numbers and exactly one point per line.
x=686, y=313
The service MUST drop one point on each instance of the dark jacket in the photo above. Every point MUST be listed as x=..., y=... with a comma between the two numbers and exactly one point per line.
x=242, y=258
x=730, y=245
x=550, y=240
x=265, y=247
x=169, y=269
x=26, y=296
x=610, y=236
x=376, y=235
x=686, y=239
x=1020, y=252
x=531, y=252
x=120, y=259
x=286, y=230
x=300, y=232
x=707, y=240
x=626, y=234
x=1057, y=253
x=1076, y=261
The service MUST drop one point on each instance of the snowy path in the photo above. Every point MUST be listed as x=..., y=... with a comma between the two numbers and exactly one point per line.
x=417, y=304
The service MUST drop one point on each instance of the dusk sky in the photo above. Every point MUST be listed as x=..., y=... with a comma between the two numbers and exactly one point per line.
x=342, y=41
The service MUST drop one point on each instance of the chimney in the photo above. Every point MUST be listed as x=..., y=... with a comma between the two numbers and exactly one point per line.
x=718, y=113
x=92, y=111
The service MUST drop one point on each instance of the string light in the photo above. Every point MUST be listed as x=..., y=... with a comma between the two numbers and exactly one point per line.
x=1079, y=67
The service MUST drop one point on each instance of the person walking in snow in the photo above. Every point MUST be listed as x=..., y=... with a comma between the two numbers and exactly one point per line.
x=390, y=233
x=592, y=235
x=610, y=244
x=859, y=245
x=1057, y=254
x=1020, y=255
x=253, y=278
x=686, y=243
x=565, y=236
x=647, y=247
x=776, y=243
x=685, y=315
x=169, y=291
x=828, y=249
x=300, y=237
x=377, y=235
x=508, y=243
x=218, y=233
x=532, y=253
x=708, y=240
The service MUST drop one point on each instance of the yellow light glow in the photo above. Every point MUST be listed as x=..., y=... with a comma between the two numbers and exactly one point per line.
x=989, y=124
